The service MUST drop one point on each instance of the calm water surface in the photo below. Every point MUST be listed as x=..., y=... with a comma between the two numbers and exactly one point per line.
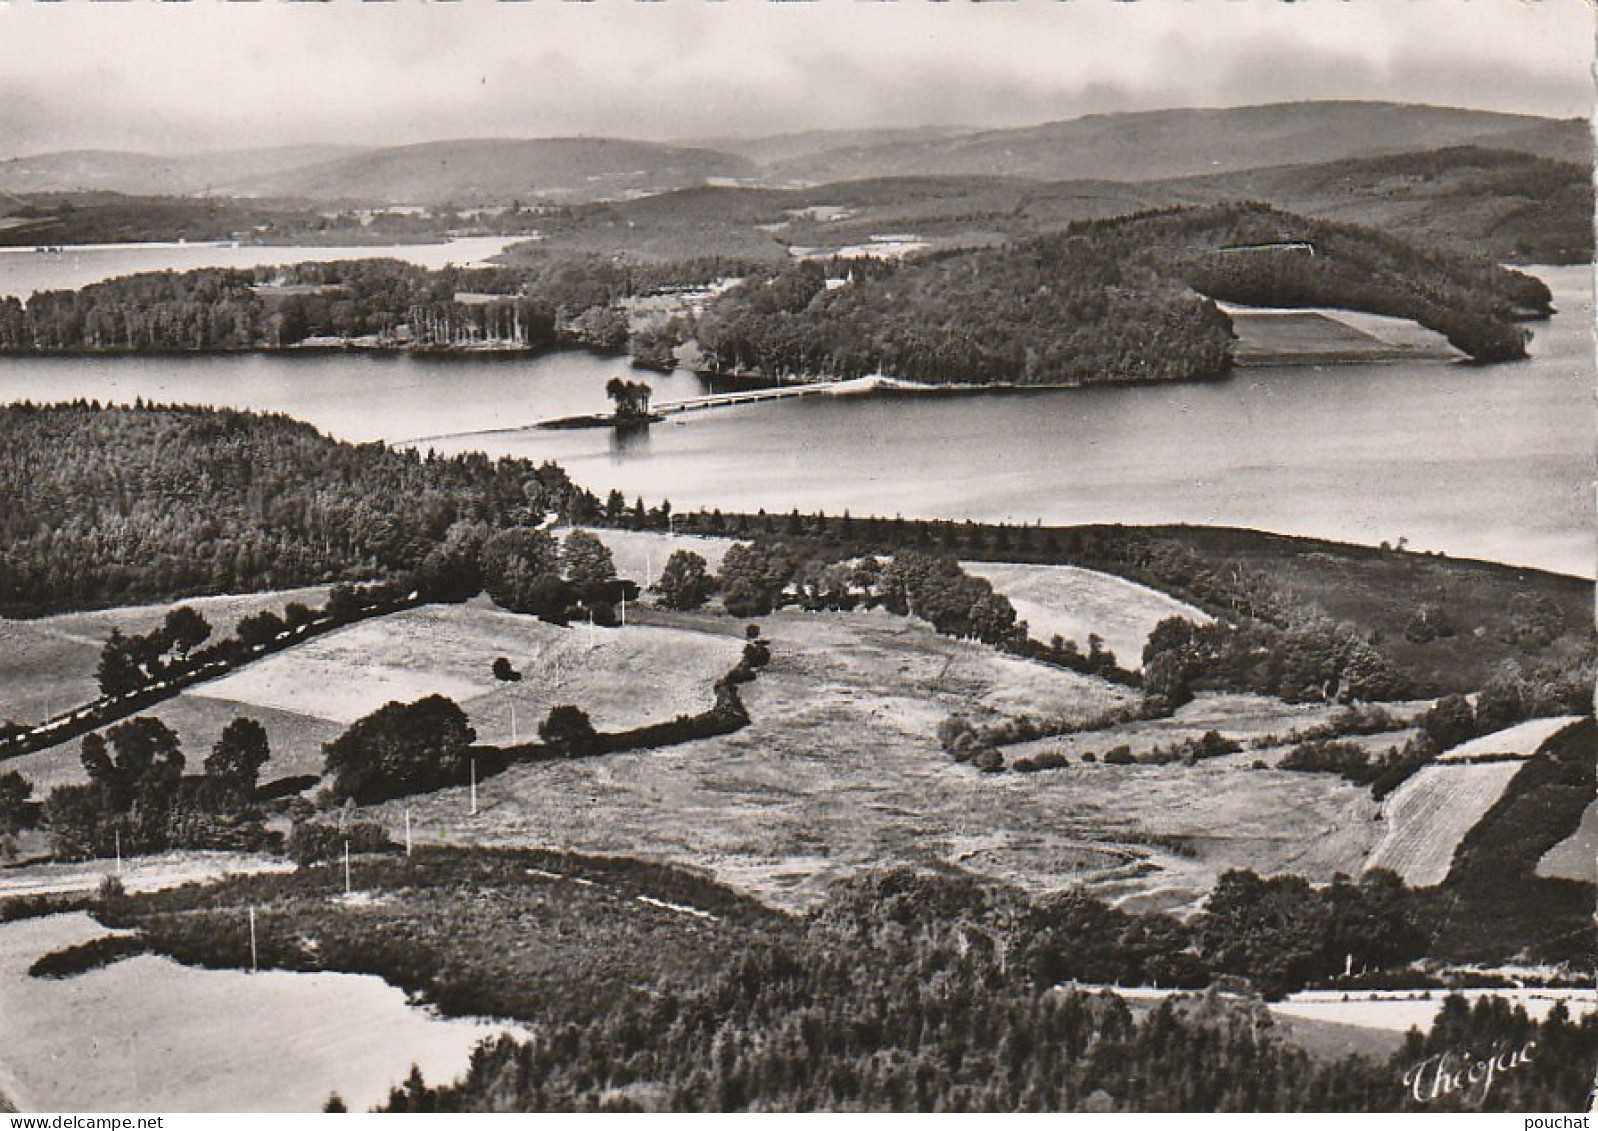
x=23, y=270
x=1480, y=461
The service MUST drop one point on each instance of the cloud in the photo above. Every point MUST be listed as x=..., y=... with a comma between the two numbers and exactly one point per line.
x=209, y=73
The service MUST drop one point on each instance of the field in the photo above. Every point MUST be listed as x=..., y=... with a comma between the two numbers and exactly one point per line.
x=1278, y=337
x=1521, y=740
x=640, y=555
x=307, y=695
x=139, y=873
x=840, y=770
x=1399, y=1011
x=622, y=677
x=47, y=665
x=1075, y=602
x=1575, y=857
x=147, y=1033
x=1430, y=814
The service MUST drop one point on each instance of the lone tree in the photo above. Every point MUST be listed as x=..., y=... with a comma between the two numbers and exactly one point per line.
x=118, y=672
x=15, y=790
x=685, y=582
x=587, y=563
x=401, y=748
x=504, y=672
x=569, y=730
x=235, y=761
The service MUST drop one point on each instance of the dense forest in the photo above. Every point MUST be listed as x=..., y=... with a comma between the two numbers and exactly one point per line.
x=108, y=506
x=1125, y=299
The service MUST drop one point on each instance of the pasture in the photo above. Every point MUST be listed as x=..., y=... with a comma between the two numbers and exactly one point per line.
x=1075, y=602
x=47, y=665
x=623, y=677
x=640, y=555
x=307, y=695
x=841, y=770
x=1430, y=814
x=146, y=1033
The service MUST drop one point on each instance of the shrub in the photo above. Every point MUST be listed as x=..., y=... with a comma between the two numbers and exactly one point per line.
x=311, y=841
x=988, y=760
x=569, y=731
x=1330, y=757
x=1119, y=756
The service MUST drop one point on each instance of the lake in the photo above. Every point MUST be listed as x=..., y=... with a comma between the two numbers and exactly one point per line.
x=23, y=270
x=1479, y=461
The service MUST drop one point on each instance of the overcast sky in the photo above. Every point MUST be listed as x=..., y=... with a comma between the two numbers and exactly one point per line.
x=216, y=74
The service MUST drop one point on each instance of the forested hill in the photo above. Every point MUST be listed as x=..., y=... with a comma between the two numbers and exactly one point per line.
x=108, y=506
x=1126, y=299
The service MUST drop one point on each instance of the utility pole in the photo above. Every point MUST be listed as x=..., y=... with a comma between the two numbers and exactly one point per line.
x=254, y=963
x=624, y=610
x=407, y=830
x=118, y=834
x=347, y=888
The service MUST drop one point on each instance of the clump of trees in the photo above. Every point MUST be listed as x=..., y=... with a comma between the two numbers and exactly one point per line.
x=401, y=748
x=570, y=732
x=631, y=399
x=128, y=663
x=1310, y=660
x=138, y=799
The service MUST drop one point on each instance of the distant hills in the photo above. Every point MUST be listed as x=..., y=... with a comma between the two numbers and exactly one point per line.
x=1135, y=147
x=499, y=170
x=234, y=172
x=1514, y=187
x=1161, y=144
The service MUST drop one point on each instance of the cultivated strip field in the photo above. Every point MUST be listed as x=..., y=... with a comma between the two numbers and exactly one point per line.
x=1519, y=741
x=1575, y=857
x=1400, y=1010
x=1430, y=814
x=47, y=665
x=146, y=1033
x=1075, y=602
x=1242, y=717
